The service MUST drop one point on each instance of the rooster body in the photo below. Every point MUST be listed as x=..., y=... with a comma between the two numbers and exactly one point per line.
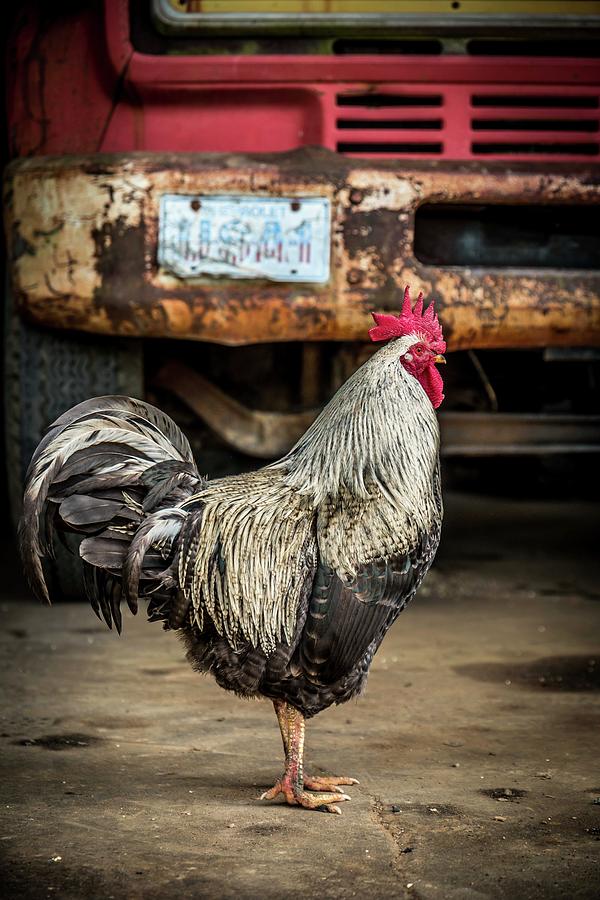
x=282, y=582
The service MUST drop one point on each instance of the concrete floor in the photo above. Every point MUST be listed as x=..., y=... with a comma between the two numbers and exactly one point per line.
x=125, y=774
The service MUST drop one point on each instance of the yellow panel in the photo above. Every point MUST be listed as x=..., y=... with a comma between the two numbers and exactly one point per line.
x=469, y=7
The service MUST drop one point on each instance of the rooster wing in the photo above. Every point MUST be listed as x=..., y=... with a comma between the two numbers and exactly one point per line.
x=349, y=616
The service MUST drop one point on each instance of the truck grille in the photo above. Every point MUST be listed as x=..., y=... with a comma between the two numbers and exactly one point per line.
x=455, y=122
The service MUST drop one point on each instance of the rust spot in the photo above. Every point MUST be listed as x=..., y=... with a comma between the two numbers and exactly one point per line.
x=178, y=315
x=119, y=253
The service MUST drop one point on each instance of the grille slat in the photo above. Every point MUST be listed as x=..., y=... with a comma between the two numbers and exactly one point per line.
x=387, y=136
x=518, y=119
x=539, y=101
x=371, y=100
x=532, y=147
x=518, y=114
x=570, y=136
x=550, y=126
x=391, y=124
x=385, y=148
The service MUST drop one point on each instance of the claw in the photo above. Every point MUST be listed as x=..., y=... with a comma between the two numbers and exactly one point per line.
x=272, y=792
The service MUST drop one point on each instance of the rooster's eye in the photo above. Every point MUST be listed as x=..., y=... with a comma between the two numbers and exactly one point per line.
x=418, y=351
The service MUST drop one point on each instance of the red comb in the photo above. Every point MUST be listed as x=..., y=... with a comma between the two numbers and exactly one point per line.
x=412, y=320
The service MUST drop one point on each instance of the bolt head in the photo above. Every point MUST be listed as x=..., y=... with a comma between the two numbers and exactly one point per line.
x=355, y=276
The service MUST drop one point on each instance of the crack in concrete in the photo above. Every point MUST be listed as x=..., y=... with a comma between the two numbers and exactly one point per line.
x=396, y=854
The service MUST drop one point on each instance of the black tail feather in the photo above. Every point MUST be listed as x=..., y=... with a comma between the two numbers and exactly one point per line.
x=105, y=470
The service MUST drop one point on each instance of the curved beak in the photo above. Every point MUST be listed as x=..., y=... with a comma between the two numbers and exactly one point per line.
x=439, y=359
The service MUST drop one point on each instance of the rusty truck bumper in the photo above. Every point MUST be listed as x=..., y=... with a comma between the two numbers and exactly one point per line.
x=82, y=235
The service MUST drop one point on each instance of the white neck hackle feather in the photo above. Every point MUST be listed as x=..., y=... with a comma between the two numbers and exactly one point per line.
x=368, y=462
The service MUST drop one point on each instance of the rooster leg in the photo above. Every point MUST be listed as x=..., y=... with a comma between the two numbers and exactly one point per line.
x=311, y=782
x=281, y=712
x=292, y=785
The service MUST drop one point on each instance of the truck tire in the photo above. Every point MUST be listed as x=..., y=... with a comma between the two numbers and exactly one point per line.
x=46, y=372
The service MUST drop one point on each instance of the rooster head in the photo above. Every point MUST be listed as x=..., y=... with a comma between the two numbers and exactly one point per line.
x=420, y=356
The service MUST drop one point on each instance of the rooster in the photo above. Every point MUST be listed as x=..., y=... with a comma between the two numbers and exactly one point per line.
x=282, y=582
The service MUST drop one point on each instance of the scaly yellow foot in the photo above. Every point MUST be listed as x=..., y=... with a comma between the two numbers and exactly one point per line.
x=295, y=795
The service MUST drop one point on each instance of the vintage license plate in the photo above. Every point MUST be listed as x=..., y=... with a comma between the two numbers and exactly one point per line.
x=283, y=239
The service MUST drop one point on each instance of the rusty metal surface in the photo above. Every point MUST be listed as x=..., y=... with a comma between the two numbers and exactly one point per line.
x=265, y=435
x=82, y=235
x=510, y=434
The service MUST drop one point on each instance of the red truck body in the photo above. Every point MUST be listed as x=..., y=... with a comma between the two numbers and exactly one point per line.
x=78, y=85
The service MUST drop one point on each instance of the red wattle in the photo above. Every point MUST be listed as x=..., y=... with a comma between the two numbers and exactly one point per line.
x=431, y=380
